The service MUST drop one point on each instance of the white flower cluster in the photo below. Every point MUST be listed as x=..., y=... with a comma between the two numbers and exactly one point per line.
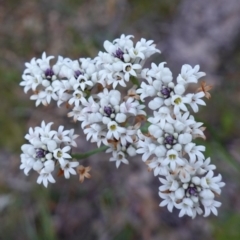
x=46, y=150
x=187, y=177
x=109, y=116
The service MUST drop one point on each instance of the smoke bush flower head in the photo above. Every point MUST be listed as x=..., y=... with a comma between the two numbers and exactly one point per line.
x=106, y=95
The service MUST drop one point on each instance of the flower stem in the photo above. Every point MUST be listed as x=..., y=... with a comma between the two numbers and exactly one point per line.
x=90, y=153
x=135, y=81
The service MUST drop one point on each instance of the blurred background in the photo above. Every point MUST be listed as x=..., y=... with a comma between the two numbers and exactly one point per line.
x=116, y=204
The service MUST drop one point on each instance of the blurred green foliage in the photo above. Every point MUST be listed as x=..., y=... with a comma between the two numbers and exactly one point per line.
x=11, y=110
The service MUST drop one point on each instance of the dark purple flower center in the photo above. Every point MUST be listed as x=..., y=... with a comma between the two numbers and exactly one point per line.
x=166, y=92
x=40, y=153
x=49, y=73
x=77, y=73
x=170, y=140
x=108, y=110
x=119, y=54
x=192, y=191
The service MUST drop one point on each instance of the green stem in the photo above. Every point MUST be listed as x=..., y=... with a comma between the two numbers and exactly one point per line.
x=135, y=81
x=145, y=127
x=90, y=153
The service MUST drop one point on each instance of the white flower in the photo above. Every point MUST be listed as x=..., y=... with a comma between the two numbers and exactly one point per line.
x=195, y=100
x=186, y=207
x=155, y=131
x=118, y=157
x=194, y=152
x=61, y=154
x=75, y=113
x=114, y=130
x=72, y=138
x=90, y=105
x=213, y=183
x=168, y=200
x=146, y=91
x=118, y=78
x=185, y=171
x=127, y=136
x=169, y=184
x=210, y=206
x=189, y=74
x=30, y=82
x=45, y=132
x=45, y=178
x=78, y=97
x=179, y=103
x=160, y=72
x=93, y=131
x=196, y=210
x=27, y=163
x=184, y=138
x=158, y=168
x=206, y=166
x=137, y=52
x=48, y=166
x=183, y=122
x=130, y=106
x=150, y=47
x=67, y=167
x=33, y=134
x=130, y=70
x=40, y=98
x=61, y=135
x=161, y=117
x=145, y=148
x=172, y=159
x=156, y=103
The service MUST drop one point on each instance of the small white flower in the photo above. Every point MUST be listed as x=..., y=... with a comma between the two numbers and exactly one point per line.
x=48, y=166
x=62, y=135
x=210, y=206
x=161, y=117
x=172, y=159
x=114, y=130
x=213, y=183
x=160, y=72
x=194, y=152
x=40, y=98
x=189, y=74
x=169, y=184
x=67, y=167
x=27, y=163
x=130, y=70
x=93, y=132
x=168, y=200
x=146, y=91
x=118, y=157
x=61, y=154
x=78, y=98
x=195, y=100
x=45, y=178
x=186, y=207
x=206, y=166
x=72, y=137
x=184, y=138
x=75, y=113
x=179, y=103
x=146, y=148
x=158, y=168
